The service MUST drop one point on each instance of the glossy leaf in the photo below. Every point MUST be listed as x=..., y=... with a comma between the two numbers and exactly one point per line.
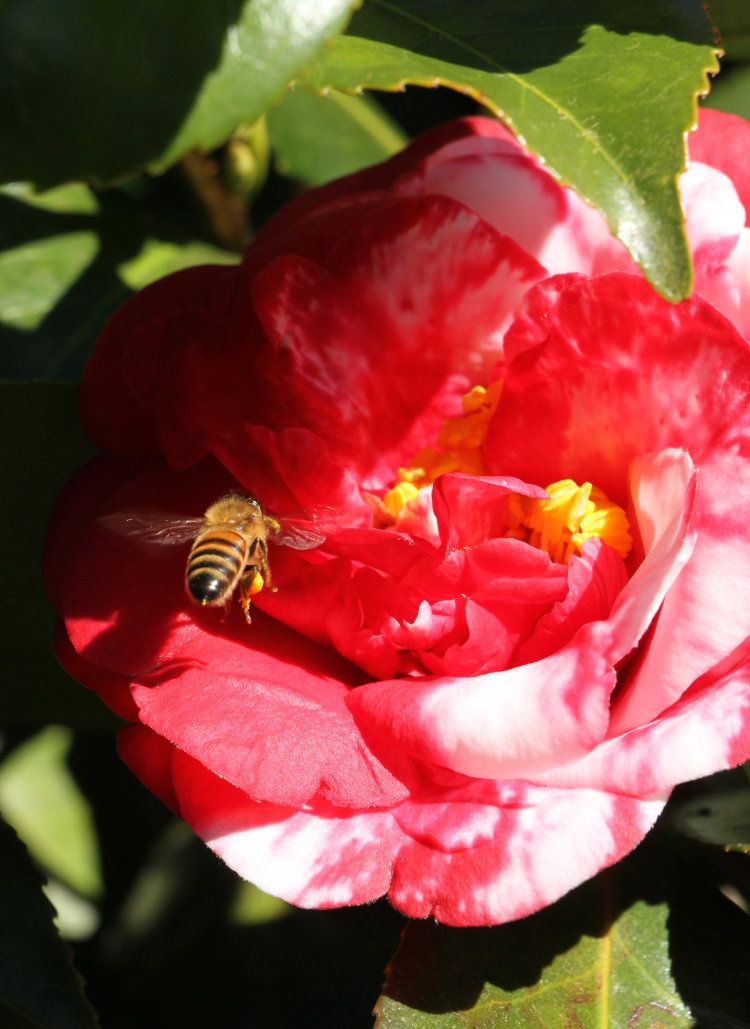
x=36, y=977
x=96, y=89
x=316, y=139
x=603, y=93
x=642, y=945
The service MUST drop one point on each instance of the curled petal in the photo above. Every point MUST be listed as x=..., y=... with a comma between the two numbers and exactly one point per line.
x=502, y=725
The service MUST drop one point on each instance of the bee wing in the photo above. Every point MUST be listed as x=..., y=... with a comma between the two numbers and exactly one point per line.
x=299, y=531
x=154, y=527
x=297, y=536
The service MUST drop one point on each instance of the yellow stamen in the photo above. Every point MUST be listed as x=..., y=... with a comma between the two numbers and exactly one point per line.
x=570, y=515
x=558, y=524
x=460, y=443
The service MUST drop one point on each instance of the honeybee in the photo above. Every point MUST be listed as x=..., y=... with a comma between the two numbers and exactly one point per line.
x=229, y=545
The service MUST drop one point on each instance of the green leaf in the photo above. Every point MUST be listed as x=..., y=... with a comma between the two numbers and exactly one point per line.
x=36, y=977
x=316, y=139
x=644, y=944
x=731, y=92
x=68, y=258
x=41, y=445
x=158, y=258
x=40, y=799
x=26, y=296
x=604, y=94
x=97, y=89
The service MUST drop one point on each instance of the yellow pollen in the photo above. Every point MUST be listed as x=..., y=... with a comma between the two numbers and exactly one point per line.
x=460, y=448
x=256, y=585
x=570, y=515
x=558, y=524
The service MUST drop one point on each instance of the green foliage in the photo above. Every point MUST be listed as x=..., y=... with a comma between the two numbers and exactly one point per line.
x=40, y=799
x=644, y=944
x=97, y=92
x=138, y=85
x=577, y=82
x=319, y=138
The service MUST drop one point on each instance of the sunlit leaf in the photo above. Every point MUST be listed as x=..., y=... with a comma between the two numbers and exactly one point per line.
x=316, y=139
x=604, y=93
x=96, y=89
x=67, y=259
x=642, y=945
x=34, y=277
x=159, y=257
x=40, y=799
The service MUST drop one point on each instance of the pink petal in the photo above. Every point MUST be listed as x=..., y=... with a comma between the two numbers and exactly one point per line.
x=425, y=273
x=480, y=854
x=268, y=714
x=544, y=843
x=594, y=581
x=704, y=732
x=735, y=302
x=706, y=612
x=723, y=141
x=549, y=221
x=663, y=496
x=619, y=374
x=502, y=725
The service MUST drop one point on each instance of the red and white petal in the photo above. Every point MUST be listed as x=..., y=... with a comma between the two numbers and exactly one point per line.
x=422, y=275
x=549, y=221
x=479, y=854
x=544, y=843
x=736, y=297
x=663, y=499
x=704, y=732
x=317, y=856
x=502, y=725
x=619, y=374
x=706, y=612
x=723, y=141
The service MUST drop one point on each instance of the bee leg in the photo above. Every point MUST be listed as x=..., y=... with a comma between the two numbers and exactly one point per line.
x=265, y=568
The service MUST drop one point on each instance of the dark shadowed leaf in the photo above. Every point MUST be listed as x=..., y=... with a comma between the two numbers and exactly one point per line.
x=733, y=20
x=41, y=445
x=604, y=93
x=715, y=811
x=96, y=89
x=37, y=979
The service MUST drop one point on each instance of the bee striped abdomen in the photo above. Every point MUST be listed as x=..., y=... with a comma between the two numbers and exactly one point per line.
x=215, y=564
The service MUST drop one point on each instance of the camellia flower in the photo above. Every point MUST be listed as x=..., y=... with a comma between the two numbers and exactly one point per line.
x=528, y=617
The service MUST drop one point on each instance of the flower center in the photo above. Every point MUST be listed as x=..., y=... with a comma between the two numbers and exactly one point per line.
x=558, y=524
